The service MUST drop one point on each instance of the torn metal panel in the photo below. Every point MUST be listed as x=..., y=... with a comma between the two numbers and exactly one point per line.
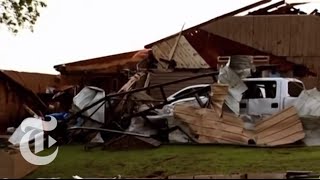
x=241, y=65
x=236, y=88
x=87, y=96
x=185, y=55
x=282, y=128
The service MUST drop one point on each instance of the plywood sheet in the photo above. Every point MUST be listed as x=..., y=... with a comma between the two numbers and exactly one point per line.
x=285, y=35
x=185, y=55
x=209, y=127
x=280, y=129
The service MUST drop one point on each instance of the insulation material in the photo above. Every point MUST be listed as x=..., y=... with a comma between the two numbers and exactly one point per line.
x=97, y=139
x=308, y=103
x=282, y=128
x=311, y=128
x=308, y=106
x=178, y=137
x=236, y=88
x=87, y=96
x=138, y=125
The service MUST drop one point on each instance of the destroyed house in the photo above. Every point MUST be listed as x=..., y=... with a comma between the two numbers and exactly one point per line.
x=18, y=89
x=283, y=35
x=108, y=72
x=200, y=49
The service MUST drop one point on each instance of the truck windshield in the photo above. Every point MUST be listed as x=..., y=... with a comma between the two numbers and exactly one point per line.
x=295, y=88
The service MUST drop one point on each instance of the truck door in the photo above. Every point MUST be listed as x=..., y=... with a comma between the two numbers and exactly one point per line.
x=263, y=97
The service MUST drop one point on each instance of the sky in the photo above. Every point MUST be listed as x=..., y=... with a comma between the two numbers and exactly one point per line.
x=73, y=30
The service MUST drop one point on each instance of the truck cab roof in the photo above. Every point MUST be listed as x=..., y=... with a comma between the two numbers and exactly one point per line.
x=272, y=78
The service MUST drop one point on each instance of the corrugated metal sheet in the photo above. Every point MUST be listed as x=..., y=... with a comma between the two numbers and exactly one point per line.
x=281, y=35
x=185, y=55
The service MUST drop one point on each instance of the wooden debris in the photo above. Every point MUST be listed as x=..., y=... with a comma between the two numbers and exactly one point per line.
x=282, y=128
x=218, y=95
x=211, y=128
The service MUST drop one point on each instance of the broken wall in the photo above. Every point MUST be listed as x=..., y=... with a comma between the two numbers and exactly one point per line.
x=13, y=96
x=11, y=106
x=37, y=82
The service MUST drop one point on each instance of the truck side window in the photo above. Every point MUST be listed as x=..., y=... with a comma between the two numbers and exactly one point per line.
x=260, y=89
x=295, y=88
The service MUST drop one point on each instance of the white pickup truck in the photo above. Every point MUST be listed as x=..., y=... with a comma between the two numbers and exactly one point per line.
x=265, y=96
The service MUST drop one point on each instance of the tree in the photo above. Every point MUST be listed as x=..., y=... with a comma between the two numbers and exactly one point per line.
x=17, y=14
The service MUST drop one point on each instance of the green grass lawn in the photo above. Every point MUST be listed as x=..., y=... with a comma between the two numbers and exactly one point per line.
x=178, y=159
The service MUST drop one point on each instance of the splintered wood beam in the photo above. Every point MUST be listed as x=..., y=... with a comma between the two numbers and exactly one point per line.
x=265, y=9
x=232, y=13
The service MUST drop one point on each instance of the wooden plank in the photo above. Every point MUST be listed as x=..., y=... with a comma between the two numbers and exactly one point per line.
x=259, y=33
x=234, y=22
x=292, y=138
x=284, y=35
x=313, y=36
x=276, y=118
x=307, y=36
x=218, y=95
x=206, y=122
x=282, y=128
x=272, y=34
x=296, y=33
x=317, y=36
x=280, y=133
x=185, y=55
x=246, y=30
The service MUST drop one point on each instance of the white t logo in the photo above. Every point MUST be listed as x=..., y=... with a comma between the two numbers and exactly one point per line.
x=31, y=129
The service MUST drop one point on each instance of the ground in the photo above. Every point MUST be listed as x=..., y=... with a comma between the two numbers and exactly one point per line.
x=177, y=160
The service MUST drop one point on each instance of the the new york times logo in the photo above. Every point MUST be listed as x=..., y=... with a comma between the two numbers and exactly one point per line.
x=33, y=129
